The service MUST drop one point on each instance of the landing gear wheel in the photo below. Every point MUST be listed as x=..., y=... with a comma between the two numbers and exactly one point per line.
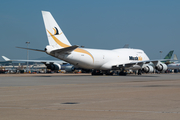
x=108, y=72
x=139, y=72
x=96, y=72
x=122, y=73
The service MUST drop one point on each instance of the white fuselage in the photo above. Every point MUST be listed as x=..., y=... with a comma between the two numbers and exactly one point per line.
x=174, y=66
x=103, y=59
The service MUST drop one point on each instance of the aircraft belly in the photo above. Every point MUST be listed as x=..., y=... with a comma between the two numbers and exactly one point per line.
x=86, y=61
x=80, y=60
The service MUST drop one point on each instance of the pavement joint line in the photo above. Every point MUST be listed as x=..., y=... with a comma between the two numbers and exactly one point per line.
x=97, y=110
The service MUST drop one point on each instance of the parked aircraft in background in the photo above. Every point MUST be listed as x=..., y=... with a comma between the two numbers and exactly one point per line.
x=50, y=64
x=175, y=58
x=5, y=62
x=100, y=60
x=174, y=65
x=168, y=56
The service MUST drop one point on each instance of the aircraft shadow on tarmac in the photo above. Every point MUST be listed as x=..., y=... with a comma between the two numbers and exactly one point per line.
x=136, y=76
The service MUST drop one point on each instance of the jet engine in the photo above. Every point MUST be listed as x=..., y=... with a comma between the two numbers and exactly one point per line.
x=69, y=68
x=53, y=66
x=148, y=69
x=161, y=67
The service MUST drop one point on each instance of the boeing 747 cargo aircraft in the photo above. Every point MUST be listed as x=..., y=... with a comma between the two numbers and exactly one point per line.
x=100, y=60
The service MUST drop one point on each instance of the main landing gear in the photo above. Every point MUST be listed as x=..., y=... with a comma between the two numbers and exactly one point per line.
x=139, y=72
x=99, y=72
x=122, y=72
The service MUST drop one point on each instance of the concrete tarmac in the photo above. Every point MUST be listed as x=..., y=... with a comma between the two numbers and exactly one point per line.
x=86, y=97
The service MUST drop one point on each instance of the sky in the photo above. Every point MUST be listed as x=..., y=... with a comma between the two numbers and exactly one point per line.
x=150, y=25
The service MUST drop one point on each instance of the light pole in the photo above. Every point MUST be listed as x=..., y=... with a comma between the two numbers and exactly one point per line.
x=160, y=54
x=27, y=68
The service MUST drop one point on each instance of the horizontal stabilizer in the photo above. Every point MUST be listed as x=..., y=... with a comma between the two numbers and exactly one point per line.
x=67, y=50
x=32, y=49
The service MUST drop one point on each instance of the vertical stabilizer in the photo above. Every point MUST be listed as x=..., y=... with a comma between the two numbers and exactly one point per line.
x=5, y=58
x=169, y=55
x=175, y=57
x=54, y=33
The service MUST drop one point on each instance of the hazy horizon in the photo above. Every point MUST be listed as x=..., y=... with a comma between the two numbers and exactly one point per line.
x=152, y=26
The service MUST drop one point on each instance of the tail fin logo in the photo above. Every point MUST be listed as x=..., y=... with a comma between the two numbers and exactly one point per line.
x=56, y=32
x=60, y=43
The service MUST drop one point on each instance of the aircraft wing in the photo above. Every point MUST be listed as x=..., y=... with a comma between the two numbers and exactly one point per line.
x=40, y=61
x=130, y=64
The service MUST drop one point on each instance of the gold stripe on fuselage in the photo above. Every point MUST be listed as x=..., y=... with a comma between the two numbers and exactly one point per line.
x=64, y=45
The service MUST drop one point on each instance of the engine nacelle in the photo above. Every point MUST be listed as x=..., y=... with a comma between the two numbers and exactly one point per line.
x=161, y=67
x=53, y=66
x=69, y=68
x=148, y=69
